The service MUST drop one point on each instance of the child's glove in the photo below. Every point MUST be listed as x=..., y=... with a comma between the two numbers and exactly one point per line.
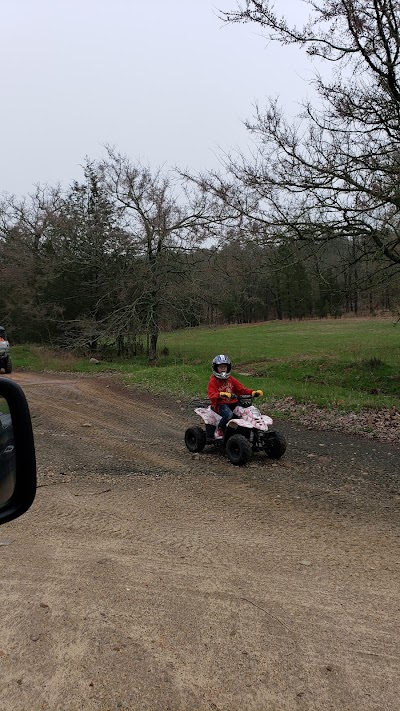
x=228, y=395
x=257, y=393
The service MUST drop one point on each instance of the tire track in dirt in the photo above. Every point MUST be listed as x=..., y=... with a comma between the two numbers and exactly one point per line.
x=100, y=414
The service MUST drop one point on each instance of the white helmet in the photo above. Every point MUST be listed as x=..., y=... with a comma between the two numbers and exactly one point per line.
x=221, y=360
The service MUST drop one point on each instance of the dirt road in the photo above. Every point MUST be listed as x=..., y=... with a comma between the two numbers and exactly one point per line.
x=143, y=578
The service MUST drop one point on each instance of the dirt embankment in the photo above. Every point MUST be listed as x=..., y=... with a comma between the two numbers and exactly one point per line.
x=145, y=578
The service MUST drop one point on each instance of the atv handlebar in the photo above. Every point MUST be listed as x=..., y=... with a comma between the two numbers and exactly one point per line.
x=229, y=396
x=244, y=401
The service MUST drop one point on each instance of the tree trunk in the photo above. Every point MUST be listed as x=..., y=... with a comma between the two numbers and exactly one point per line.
x=153, y=338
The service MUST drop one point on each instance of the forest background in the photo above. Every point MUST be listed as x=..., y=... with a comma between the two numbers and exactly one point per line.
x=307, y=226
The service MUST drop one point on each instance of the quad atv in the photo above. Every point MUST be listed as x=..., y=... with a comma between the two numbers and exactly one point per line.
x=5, y=360
x=249, y=431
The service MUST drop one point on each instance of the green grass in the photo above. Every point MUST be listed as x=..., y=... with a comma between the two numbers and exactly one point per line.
x=347, y=339
x=348, y=364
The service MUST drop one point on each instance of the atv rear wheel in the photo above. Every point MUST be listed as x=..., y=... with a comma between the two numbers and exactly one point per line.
x=195, y=439
x=238, y=449
x=8, y=365
x=275, y=445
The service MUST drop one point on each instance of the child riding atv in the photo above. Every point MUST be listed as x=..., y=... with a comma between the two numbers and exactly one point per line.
x=244, y=428
x=223, y=390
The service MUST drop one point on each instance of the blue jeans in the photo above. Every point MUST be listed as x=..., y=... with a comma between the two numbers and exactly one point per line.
x=226, y=412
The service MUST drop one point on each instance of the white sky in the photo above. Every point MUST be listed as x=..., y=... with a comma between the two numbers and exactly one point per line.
x=163, y=80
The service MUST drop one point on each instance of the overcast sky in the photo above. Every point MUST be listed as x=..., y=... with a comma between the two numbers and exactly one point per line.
x=163, y=80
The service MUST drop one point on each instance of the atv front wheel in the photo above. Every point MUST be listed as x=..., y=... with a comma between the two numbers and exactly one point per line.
x=275, y=445
x=195, y=439
x=7, y=365
x=238, y=449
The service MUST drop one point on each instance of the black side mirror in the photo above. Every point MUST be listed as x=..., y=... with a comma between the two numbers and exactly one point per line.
x=17, y=453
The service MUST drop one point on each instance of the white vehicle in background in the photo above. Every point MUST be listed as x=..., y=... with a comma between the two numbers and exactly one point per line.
x=5, y=360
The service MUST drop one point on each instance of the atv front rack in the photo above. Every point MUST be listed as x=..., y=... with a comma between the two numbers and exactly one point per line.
x=199, y=402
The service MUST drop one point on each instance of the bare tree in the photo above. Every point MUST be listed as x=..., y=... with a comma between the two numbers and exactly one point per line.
x=164, y=216
x=335, y=171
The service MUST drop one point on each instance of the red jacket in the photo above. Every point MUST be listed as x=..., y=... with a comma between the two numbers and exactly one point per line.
x=230, y=385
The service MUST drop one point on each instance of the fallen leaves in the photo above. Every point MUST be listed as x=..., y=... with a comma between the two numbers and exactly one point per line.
x=383, y=424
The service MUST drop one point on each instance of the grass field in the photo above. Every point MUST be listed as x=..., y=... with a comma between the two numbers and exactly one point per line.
x=348, y=364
